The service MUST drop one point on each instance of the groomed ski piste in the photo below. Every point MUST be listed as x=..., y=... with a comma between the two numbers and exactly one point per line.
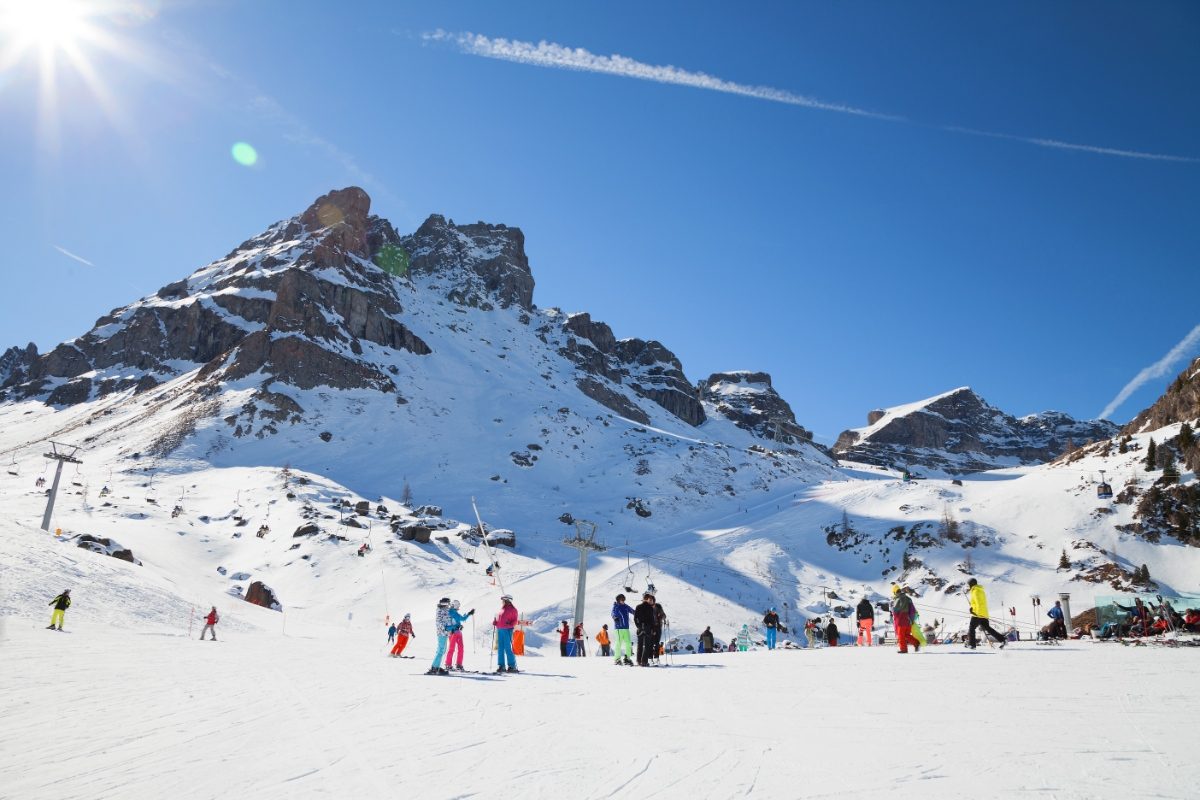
x=304, y=702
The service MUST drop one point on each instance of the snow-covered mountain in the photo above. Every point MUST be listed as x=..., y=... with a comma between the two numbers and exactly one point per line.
x=331, y=383
x=959, y=432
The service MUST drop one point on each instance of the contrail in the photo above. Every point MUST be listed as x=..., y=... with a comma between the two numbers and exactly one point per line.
x=557, y=56
x=1155, y=370
x=71, y=255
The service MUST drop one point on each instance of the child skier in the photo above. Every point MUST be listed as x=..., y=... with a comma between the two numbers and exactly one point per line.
x=621, y=612
x=504, y=622
x=456, y=637
x=442, y=624
x=61, y=604
x=404, y=632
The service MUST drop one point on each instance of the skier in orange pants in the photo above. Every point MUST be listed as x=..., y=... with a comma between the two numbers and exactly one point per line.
x=866, y=620
x=404, y=632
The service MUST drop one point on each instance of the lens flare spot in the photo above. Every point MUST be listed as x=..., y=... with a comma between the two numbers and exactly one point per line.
x=244, y=154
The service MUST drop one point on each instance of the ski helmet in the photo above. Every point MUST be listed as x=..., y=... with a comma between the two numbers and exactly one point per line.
x=972, y=582
x=506, y=598
x=408, y=616
x=444, y=602
x=454, y=604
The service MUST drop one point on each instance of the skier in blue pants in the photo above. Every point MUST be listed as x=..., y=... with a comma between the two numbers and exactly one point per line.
x=505, y=621
x=771, y=622
x=443, y=625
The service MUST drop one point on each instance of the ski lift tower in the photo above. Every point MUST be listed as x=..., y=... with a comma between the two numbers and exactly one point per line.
x=65, y=455
x=585, y=542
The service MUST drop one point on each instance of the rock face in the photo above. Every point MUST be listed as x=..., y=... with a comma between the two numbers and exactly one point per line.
x=958, y=432
x=749, y=400
x=261, y=595
x=1180, y=403
x=480, y=264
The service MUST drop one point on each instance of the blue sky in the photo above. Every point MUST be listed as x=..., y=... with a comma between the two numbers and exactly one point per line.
x=862, y=261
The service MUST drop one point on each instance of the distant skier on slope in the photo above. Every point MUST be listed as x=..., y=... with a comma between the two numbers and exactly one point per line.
x=660, y=624
x=564, y=636
x=621, y=612
x=580, y=643
x=392, y=633
x=812, y=631
x=61, y=604
x=404, y=632
x=979, y=615
x=902, y=618
x=743, y=639
x=504, y=622
x=603, y=640
x=456, y=637
x=831, y=633
x=210, y=624
x=645, y=619
x=771, y=622
x=442, y=625
x=865, y=614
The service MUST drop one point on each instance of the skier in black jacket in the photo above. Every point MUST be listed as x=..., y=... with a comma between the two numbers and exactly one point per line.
x=771, y=623
x=645, y=619
x=61, y=604
x=866, y=620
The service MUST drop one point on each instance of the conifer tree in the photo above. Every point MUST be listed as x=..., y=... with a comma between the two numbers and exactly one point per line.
x=1187, y=437
x=1151, y=455
x=1063, y=561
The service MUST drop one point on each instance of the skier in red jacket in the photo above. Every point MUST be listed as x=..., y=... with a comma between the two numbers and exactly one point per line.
x=210, y=624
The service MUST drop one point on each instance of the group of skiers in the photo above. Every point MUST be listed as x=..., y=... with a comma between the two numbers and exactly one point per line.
x=448, y=624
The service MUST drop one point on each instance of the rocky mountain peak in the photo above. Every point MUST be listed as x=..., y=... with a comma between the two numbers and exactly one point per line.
x=959, y=432
x=750, y=401
x=1179, y=403
x=341, y=218
x=478, y=265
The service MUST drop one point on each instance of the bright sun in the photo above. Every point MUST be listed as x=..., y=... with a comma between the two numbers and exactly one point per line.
x=42, y=25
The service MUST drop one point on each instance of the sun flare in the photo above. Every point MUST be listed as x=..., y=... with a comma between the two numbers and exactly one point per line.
x=43, y=24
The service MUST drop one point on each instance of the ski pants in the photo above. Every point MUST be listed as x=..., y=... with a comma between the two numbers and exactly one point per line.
x=56, y=618
x=864, y=632
x=605, y=650
x=905, y=638
x=562, y=648
x=812, y=638
x=441, y=651
x=771, y=634
x=580, y=648
x=504, y=651
x=401, y=641
x=981, y=622
x=624, y=646
x=208, y=629
x=456, y=643
x=647, y=647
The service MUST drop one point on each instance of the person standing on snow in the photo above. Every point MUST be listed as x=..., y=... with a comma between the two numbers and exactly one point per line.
x=865, y=613
x=442, y=624
x=603, y=640
x=1058, y=628
x=660, y=623
x=771, y=621
x=456, y=637
x=61, y=604
x=404, y=632
x=210, y=624
x=903, y=612
x=810, y=631
x=580, y=647
x=621, y=612
x=831, y=633
x=504, y=623
x=564, y=636
x=979, y=615
x=707, y=641
x=392, y=633
x=743, y=639
x=645, y=619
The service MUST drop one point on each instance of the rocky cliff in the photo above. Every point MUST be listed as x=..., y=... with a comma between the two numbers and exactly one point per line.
x=1180, y=403
x=958, y=432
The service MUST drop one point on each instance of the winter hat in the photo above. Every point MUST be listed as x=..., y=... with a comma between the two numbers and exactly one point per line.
x=895, y=589
x=621, y=598
x=408, y=616
x=506, y=598
x=972, y=582
x=445, y=601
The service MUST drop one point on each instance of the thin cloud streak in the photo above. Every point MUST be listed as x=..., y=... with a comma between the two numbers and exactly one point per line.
x=1156, y=370
x=556, y=56
x=71, y=255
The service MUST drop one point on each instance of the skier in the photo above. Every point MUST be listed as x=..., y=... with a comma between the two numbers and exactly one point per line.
x=404, y=632
x=707, y=644
x=564, y=636
x=620, y=616
x=210, y=623
x=504, y=622
x=1058, y=628
x=392, y=633
x=602, y=638
x=979, y=615
x=902, y=618
x=810, y=631
x=442, y=624
x=645, y=619
x=580, y=647
x=456, y=637
x=771, y=621
x=866, y=620
x=831, y=633
x=743, y=639
x=61, y=604
x=660, y=622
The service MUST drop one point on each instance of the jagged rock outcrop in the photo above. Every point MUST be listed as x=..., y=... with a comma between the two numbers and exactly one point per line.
x=261, y=595
x=958, y=432
x=1179, y=403
x=477, y=265
x=751, y=403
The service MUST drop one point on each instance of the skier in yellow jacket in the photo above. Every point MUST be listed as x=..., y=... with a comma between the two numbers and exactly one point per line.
x=979, y=615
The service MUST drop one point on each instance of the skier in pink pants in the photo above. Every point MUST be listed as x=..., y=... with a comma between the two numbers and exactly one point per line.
x=456, y=637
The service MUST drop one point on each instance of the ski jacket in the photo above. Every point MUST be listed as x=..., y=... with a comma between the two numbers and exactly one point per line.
x=978, y=601
x=507, y=618
x=660, y=617
x=442, y=621
x=579, y=631
x=620, y=615
x=602, y=636
x=644, y=617
x=392, y=631
x=865, y=610
x=212, y=618
x=903, y=612
x=1055, y=613
x=744, y=638
x=831, y=632
x=61, y=603
x=457, y=620
x=564, y=633
x=404, y=628
x=771, y=620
